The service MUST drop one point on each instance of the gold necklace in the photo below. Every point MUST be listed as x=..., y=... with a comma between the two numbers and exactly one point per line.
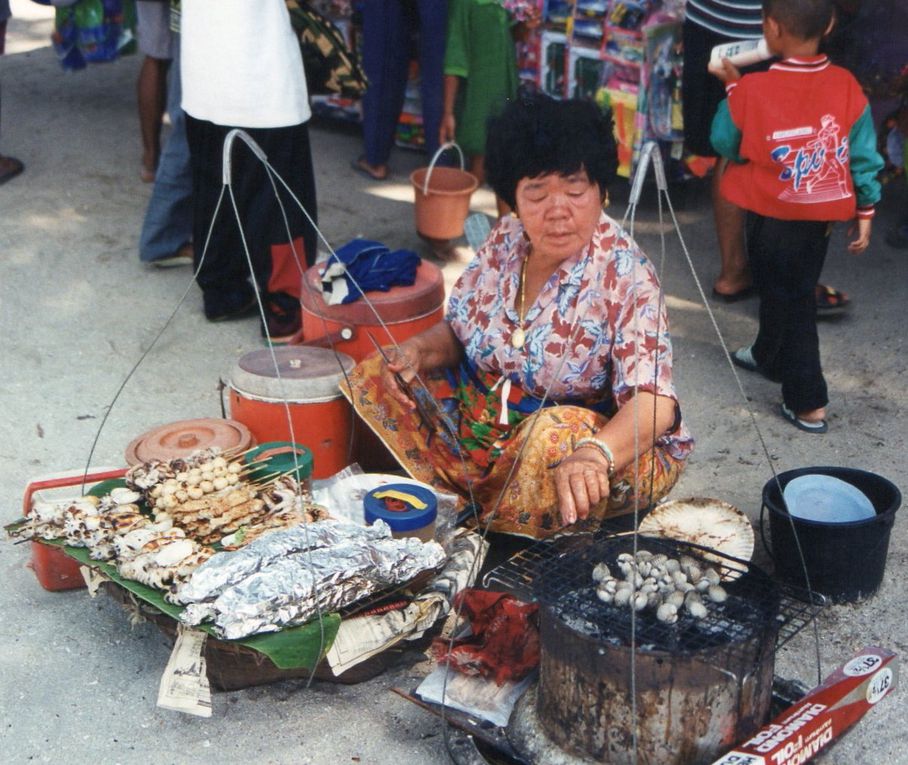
x=518, y=336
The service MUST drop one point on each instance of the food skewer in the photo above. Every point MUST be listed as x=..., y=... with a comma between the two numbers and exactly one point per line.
x=232, y=451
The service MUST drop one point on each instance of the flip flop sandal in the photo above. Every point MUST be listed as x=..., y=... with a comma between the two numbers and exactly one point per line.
x=831, y=301
x=806, y=425
x=744, y=358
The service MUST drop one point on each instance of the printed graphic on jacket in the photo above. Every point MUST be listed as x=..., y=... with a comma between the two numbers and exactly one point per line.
x=814, y=162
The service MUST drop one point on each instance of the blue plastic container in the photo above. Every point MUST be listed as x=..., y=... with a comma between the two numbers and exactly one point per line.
x=416, y=516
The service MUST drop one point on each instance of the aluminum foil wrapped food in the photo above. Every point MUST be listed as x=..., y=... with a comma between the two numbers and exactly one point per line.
x=229, y=568
x=286, y=578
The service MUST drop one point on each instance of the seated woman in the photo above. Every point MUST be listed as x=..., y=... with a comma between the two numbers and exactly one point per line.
x=545, y=397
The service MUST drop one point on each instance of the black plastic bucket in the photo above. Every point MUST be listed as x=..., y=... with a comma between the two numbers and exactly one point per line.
x=844, y=561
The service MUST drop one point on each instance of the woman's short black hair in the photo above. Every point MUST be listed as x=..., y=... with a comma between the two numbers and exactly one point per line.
x=536, y=135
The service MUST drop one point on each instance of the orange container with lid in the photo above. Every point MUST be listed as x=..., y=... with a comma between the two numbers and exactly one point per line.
x=406, y=311
x=181, y=438
x=299, y=401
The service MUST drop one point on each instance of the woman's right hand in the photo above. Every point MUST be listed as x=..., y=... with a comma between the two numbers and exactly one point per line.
x=403, y=364
x=581, y=481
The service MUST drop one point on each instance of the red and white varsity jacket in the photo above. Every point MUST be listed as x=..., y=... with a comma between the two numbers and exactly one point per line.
x=803, y=143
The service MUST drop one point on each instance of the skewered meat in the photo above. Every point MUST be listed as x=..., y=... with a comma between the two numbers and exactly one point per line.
x=166, y=549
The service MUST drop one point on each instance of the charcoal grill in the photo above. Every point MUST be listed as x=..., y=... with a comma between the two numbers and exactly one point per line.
x=619, y=686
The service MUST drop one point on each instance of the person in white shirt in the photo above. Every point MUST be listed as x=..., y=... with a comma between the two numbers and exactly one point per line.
x=242, y=68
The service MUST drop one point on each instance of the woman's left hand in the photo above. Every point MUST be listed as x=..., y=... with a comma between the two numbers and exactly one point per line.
x=581, y=481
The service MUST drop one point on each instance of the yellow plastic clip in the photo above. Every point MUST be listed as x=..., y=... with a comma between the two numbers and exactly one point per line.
x=410, y=499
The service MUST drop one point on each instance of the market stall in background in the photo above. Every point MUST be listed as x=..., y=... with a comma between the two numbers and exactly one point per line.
x=628, y=56
x=624, y=55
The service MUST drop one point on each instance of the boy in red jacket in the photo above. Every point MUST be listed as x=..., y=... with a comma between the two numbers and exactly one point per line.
x=803, y=151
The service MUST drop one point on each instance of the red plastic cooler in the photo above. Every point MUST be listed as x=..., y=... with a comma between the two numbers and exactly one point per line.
x=54, y=569
x=405, y=311
x=300, y=401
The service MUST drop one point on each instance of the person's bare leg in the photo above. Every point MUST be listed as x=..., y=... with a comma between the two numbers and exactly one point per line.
x=734, y=270
x=151, y=90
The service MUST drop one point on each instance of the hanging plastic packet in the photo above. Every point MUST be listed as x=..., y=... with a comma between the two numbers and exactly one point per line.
x=93, y=31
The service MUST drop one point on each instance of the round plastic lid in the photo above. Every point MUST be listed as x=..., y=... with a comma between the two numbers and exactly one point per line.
x=302, y=373
x=180, y=439
x=401, y=520
x=278, y=457
x=826, y=499
x=398, y=304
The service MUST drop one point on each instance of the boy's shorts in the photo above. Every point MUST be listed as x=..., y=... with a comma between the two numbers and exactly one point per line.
x=702, y=92
x=153, y=29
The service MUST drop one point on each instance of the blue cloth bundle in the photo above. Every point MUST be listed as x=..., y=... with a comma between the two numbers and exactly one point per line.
x=371, y=265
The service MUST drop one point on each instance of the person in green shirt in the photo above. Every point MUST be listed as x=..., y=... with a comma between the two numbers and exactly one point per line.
x=480, y=71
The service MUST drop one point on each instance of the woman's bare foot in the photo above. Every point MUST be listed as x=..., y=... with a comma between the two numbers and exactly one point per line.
x=732, y=286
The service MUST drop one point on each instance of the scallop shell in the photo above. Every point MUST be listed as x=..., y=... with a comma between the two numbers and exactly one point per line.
x=708, y=522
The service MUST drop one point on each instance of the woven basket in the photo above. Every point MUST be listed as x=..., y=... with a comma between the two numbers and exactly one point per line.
x=232, y=666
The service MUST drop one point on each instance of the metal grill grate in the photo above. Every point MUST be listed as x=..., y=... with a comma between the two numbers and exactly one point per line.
x=557, y=572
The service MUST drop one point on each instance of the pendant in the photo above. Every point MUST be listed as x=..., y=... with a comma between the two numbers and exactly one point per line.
x=518, y=338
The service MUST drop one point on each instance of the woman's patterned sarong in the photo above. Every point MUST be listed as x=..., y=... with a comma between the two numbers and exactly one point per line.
x=468, y=447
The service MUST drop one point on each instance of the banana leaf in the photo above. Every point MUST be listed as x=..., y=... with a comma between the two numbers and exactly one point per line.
x=292, y=648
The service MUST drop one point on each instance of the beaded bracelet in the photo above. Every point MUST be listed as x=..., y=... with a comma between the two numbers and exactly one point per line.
x=603, y=447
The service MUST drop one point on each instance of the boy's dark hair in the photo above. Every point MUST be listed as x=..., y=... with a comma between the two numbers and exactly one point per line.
x=536, y=135
x=806, y=19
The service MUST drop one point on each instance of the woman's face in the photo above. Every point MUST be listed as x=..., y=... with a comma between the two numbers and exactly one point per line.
x=559, y=213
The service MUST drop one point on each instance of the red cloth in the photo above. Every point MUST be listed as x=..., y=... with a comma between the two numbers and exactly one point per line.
x=286, y=261
x=505, y=640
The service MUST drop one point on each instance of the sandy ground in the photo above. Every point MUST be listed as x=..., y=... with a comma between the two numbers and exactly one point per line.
x=78, y=309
